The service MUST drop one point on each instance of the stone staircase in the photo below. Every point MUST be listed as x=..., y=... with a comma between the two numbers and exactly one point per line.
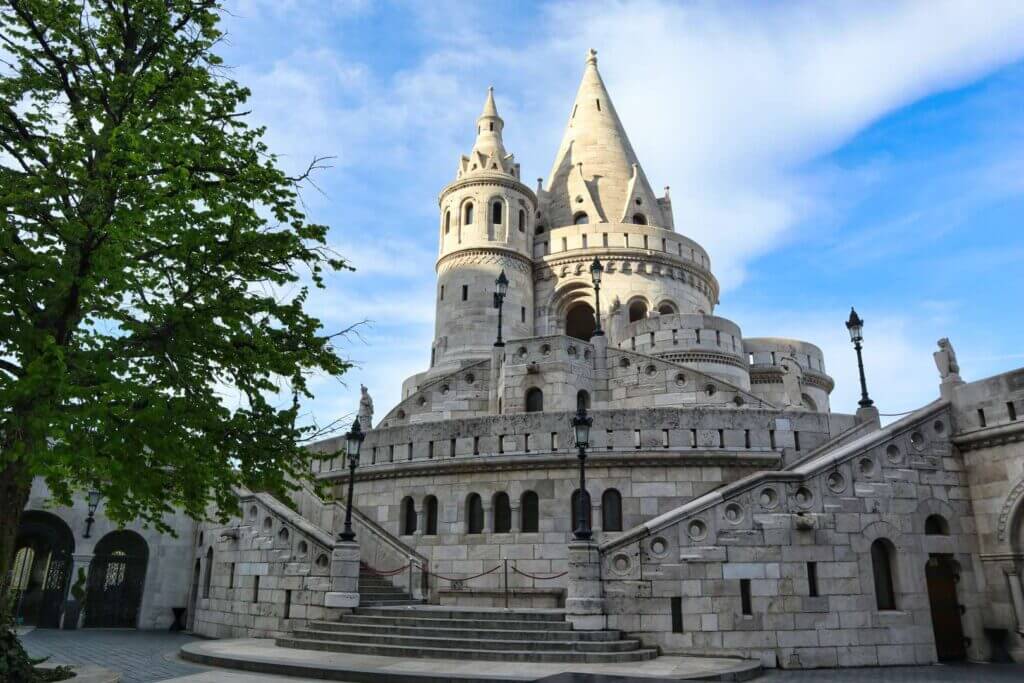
x=528, y=635
x=378, y=591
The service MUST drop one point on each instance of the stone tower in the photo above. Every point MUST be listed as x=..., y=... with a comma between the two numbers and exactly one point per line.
x=486, y=223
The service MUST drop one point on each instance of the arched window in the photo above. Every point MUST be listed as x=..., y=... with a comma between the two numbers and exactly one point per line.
x=408, y=516
x=529, y=513
x=467, y=214
x=881, y=563
x=576, y=507
x=430, y=508
x=611, y=510
x=583, y=399
x=474, y=514
x=522, y=221
x=447, y=222
x=639, y=219
x=581, y=218
x=502, y=513
x=579, y=321
x=496, y=212
x=936, y=525
x=534, y=400
x=539, y=230
x=637, y=311
x=209, y=572
x=666, y=308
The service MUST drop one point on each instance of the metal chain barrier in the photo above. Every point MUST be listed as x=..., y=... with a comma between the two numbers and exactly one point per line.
x=393, y=572
x=539, y=578
x=467, y=578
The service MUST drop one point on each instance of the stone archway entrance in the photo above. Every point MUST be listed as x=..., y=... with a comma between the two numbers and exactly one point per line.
x=579, y=321
x=117, y=575
x=42, y=569
x=942, y=576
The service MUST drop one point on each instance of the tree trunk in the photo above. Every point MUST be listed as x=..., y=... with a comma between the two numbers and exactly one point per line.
x=15, y=487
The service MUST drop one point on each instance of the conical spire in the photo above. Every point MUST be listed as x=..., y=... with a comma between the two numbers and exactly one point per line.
x=596, y=169
x=488, y=129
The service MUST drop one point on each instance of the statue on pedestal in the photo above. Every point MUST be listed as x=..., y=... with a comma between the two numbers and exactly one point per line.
x=945, y=361
x=792, y=373
x=365, y=414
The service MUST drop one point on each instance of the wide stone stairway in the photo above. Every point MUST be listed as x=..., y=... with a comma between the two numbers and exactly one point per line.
x=378, y=591
x=529, y=635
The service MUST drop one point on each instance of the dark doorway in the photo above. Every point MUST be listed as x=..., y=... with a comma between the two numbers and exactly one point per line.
x=579, y=322
x=42, y=569
x=949, y=631
x=534, y=400
x=117, y=575
x=194, y=601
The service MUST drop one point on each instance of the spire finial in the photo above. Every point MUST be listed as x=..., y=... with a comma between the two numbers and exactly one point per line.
x=592, y=56
x=490, y=108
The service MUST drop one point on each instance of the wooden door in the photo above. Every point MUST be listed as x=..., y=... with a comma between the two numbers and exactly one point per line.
x=946, y=622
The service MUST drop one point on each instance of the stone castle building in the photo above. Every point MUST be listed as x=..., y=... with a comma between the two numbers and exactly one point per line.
x=733, y=511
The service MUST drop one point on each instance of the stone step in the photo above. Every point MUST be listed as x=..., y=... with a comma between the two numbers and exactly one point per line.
x=436, y=642
x=460, y=653
x=496, y=614
x=474, y=624
x=454, y=632
x=381, y=591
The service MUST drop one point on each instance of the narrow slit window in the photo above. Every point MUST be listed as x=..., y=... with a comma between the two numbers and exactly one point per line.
x=451, y=447
x=677, y=615
x=501, y=443
x=430, y=450
x=604, y=239
x=554, y=441
x=636, y=438
x=256, y=589
x=526, y=443
x=584, y=241
x=610, y=437
x=981, y=417
x=796, y=440
x=745, y=597
x=1011, y=410
x=664, y=438
x=287, y=604
x=664, y=244
x=565, y=244
x=231, y=576
x=476, y=445
x=721, y=438
x=522, y=314
x=465, y=292
x=746, y=438
x=693, y=438
x=771, y=438
x=442, y=292
x=812, y=579
x=598, y=104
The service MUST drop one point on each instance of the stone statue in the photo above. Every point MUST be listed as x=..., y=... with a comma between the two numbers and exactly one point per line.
x=945, y=361
x=365, y=414
x=792, y=373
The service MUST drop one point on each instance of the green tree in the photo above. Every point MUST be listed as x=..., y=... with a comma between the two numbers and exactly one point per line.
x=154, y=268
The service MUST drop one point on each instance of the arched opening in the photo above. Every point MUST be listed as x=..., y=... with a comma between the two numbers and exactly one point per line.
x=667, y=308
x=522, y=221
x=534, y=400
x=575, y=509
x=430, y=508
x=583, y=399
x=496, y=212
x=208, y=573
x=581, y=218
x=936, y=525
x=467, y=214
x=942, y=575
x=194, y=594
x=881, y=564
x=808, y=403
x=447, y=222
x=408, y=516
x=502, y=513
x=639, y=219
x=611, y=510
x=42, y=570
x=117, y=576
x=474, y=514
x=529, y=512
x=579, y=321
x=637, y=311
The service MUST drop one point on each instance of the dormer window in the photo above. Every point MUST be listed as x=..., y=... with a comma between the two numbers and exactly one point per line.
x=639, y=219
x=581, y=218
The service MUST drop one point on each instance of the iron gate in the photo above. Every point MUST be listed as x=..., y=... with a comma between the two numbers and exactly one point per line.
x=114, y=590
x=54, y=591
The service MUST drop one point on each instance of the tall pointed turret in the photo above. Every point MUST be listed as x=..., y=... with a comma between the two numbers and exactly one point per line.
x=596, y=176
x=489, y=151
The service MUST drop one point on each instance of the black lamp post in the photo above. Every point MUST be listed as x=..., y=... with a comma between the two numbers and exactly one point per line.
x=595, y=274
x=856, y=327
x=94, y=502
x=353, y=442
x=501, y=289
x=581, y=423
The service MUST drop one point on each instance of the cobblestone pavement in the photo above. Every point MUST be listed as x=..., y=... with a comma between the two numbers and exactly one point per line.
x=148, y=656
x=140, y=656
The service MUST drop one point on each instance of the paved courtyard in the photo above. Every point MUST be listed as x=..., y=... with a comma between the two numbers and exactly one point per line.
x=148, y=656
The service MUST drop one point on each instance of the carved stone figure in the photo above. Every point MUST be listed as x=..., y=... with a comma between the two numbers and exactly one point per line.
x=792, y=373
x=365, y=414
x=945, y=361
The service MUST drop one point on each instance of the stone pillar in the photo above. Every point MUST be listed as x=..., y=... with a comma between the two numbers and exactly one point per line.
x=584, y=604
x=870, y=416
x=600, y=392
x=415, y=579
x=344, y=576
x=1016, y=598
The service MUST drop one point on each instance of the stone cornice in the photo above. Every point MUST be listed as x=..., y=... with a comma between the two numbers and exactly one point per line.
x=481, y=254
x=679, y=356
x=773, y=375
x=490, y=179
x=682, y=457
x=990, y=436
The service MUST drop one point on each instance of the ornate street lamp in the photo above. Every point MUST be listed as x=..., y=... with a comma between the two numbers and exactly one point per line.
x=501, y=289
x=581, y=423
x=856, y=327
x=353, y=442
x=93, y=500
x=595, y=274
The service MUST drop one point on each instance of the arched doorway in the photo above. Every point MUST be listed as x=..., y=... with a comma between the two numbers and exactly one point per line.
x=579, y=321
x=117, y=575
x=942, y=576
x=42, y=569
x=194, y=601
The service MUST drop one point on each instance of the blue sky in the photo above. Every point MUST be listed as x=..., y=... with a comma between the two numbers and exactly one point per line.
x=859, y=152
